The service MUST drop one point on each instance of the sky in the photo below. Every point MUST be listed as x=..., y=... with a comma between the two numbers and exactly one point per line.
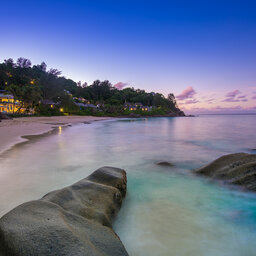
x=202, y=51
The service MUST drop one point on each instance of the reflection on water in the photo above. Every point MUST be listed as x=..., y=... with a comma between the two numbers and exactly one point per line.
x=60, y=130
x=168, y=211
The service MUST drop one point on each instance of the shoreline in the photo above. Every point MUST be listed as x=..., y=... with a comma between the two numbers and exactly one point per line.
x=16, y=130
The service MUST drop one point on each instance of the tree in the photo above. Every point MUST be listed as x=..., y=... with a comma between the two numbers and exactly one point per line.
x=54, y=72
x=23, y=63
x=9, y=63
x=42, y=66
x=29, y=95
x=29, y=85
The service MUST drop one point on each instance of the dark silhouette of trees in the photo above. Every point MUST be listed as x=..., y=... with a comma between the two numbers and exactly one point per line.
x=34, y=84
x=23, y=63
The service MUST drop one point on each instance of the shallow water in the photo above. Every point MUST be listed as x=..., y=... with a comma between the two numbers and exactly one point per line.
x=167, y=211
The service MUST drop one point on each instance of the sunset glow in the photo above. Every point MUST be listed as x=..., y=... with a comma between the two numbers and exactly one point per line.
x=165, y=46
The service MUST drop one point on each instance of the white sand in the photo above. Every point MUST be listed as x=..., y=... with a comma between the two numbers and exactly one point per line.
x=11, y=131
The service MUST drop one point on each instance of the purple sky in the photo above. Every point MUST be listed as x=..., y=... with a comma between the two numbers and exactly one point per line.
x=202, y=51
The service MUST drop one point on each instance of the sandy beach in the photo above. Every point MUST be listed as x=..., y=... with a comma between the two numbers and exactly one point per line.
x=12, y=131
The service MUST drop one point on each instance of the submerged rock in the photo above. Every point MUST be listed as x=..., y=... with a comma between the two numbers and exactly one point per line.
x=165, y=163
x=75, y=220
x=237, y=169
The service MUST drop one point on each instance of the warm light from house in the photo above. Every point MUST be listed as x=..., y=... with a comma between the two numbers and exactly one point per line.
x=61, y=110
x=51, y=105
x=60, y=130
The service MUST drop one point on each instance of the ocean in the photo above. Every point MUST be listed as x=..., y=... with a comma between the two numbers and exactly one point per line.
x=167, y=210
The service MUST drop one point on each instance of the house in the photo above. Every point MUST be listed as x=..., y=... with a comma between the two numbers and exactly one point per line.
x=83, y=105
x=146, y=108
x=81, y=100
x=131, y=106
x=68, y=93
x=48, y=103
x=9, y=105
x=136, y=106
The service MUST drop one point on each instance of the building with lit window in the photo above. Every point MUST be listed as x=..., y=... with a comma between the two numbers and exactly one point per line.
x=136, y=106
x=9, y=105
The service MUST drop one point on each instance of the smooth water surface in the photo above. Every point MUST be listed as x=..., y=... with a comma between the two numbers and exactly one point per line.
x=167, y=211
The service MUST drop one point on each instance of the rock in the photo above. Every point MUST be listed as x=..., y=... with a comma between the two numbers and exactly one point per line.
x=165, y=163
x=75, y=220
x=4, y=116
x=133, y=115
x=238, y=169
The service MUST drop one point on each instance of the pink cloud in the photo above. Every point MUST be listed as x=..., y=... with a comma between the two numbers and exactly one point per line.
x=227, y=108
x=221, y=110
x=210, y=101
x=230, y=100
x=120, y=85
x=241, y=97
x=233, y=93
x=192, y=101
x=254, y=97
x=189, y=92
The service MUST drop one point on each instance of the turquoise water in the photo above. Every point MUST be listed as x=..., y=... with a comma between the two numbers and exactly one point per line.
x=167, y=211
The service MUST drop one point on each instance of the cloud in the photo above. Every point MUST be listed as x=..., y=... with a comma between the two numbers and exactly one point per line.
x=254, y=97
x=192, y=101
x=230, y=100
x=241, y=97
x=221, y=110
x=120, y=85
x=233, y=97
x=233, y=94
x=210, y=101
x=189, y=92
x=227, y=108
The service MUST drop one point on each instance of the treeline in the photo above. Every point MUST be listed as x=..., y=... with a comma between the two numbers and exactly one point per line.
x=32, y=84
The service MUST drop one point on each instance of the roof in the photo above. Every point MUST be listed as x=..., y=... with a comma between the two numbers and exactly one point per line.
x=85, y=105
x=6, y=96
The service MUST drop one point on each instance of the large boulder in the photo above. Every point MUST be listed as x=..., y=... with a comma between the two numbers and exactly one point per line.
x=75, y=220
x=237, y=169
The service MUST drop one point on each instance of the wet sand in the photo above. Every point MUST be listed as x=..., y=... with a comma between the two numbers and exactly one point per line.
x=12, y=131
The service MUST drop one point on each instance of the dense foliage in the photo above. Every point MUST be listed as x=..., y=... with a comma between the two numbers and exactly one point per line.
x=34, y=84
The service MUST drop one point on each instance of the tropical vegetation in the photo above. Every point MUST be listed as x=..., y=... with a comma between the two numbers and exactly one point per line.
x=34, y=84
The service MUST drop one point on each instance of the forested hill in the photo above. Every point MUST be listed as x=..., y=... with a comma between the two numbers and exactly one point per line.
x=33, y=84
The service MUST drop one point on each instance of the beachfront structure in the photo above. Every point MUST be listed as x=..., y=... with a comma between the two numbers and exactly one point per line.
x=81, y=100
x=48, y=103
x=9, y=105
x=84, y=106
x=136, y=106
